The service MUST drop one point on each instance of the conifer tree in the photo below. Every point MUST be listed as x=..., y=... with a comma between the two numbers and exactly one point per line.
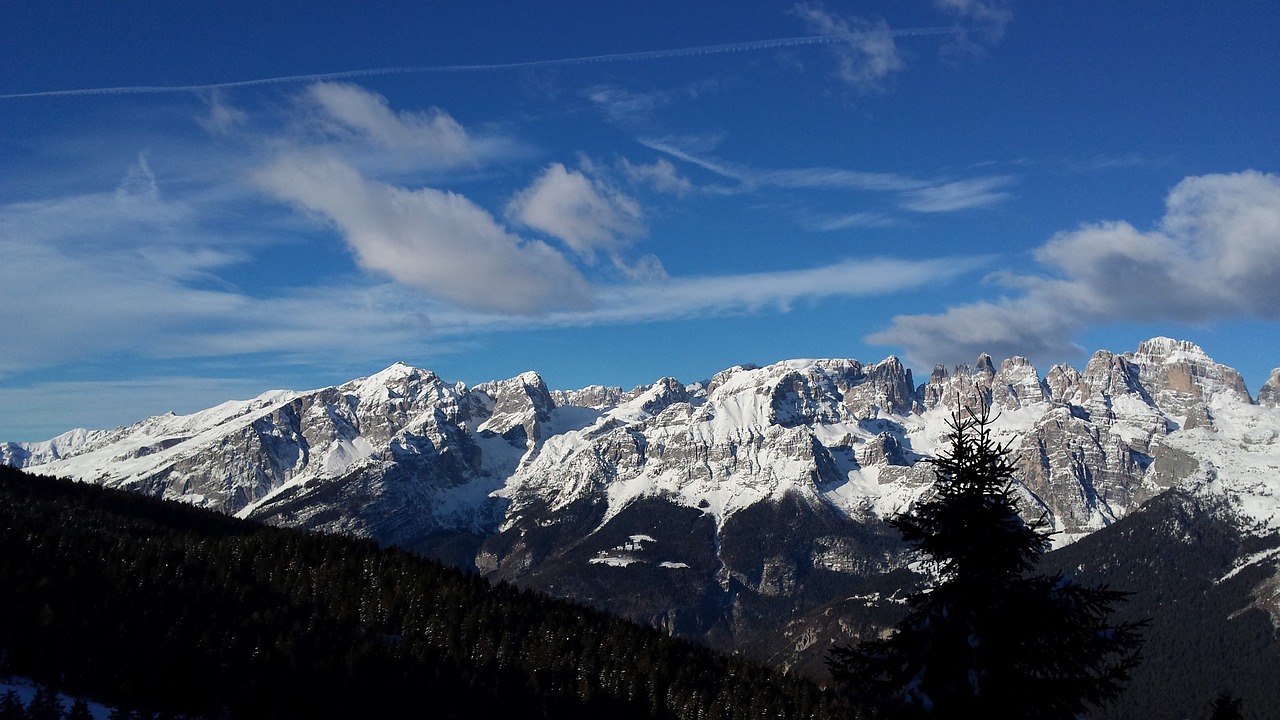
x=45, y=705
x=79, y=710
x=989, y=638
x=11, y=707
x=1226, y=707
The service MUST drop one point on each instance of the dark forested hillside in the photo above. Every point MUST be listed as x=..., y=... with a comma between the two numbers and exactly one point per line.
x=1175, y=555
x=155, y=605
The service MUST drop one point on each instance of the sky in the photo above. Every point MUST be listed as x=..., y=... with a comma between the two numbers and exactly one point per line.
x=204, y=201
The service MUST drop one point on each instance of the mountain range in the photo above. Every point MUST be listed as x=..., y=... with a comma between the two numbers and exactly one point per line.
x=746, y=510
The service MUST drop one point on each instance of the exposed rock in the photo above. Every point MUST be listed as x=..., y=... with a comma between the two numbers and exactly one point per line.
x=598, y=397
x=886, y=388
x=1178, y=375
x=1269, y=395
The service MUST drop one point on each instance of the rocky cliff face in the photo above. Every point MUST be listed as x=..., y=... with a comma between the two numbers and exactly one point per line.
x=1269, y=395
x=719, y=509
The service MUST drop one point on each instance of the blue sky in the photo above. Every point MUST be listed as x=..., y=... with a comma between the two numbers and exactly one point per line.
x=201, y=202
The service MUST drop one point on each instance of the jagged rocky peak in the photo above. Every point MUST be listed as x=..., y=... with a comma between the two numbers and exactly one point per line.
x=400, y=384
x=661, y=395
x=803, y=391
x=1107, y=376
x=1177, y=372
x=886, y=387
x=967, y=385
x=802, y=395
x=983, y=365
x=727, y=374
x=520, y=402
x=1016, y=383
x=597, y=397
x=524, y=393
x=1062, y=383
x=1269, y=393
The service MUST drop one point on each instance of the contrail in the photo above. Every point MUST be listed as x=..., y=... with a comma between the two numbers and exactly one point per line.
x=749, y=46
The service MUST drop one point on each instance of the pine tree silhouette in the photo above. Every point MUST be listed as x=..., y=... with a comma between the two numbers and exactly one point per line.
x=989, y=638
x=11, y=707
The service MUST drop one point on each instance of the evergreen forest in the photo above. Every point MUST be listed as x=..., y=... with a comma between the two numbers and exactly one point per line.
x=166, y=610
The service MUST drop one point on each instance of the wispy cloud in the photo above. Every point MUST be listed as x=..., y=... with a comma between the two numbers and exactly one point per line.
x=958, y=195
x=868, y=57
x=678, y=149
x=625, y=106
x=1215, y=255
x=838, y=178
x=778, y=290
x=719, y=295
x=222, y=118
x=913, y=194
x=847, y=221
x=660, y=175
x=984, y=22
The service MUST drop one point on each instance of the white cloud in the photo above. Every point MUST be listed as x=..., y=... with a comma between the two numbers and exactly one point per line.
x=585, y=213
x=347, y=108
x=360, y=126
x=868, y=57
x=1215, y=255
x=1001, y=329
x=439, y=242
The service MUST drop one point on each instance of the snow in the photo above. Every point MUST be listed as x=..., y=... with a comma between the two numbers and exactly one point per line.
x=569, y=418
x=1243, y=453
x=612, y=561
x=343, y=454
x=144, y=448
x=1254, y=559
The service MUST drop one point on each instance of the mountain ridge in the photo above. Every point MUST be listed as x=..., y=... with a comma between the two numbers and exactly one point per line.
x=1165, y=382
x=720, y=509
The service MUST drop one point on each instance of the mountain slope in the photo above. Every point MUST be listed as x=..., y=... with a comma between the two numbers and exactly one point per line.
x=724, y=509
x=198, y=614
